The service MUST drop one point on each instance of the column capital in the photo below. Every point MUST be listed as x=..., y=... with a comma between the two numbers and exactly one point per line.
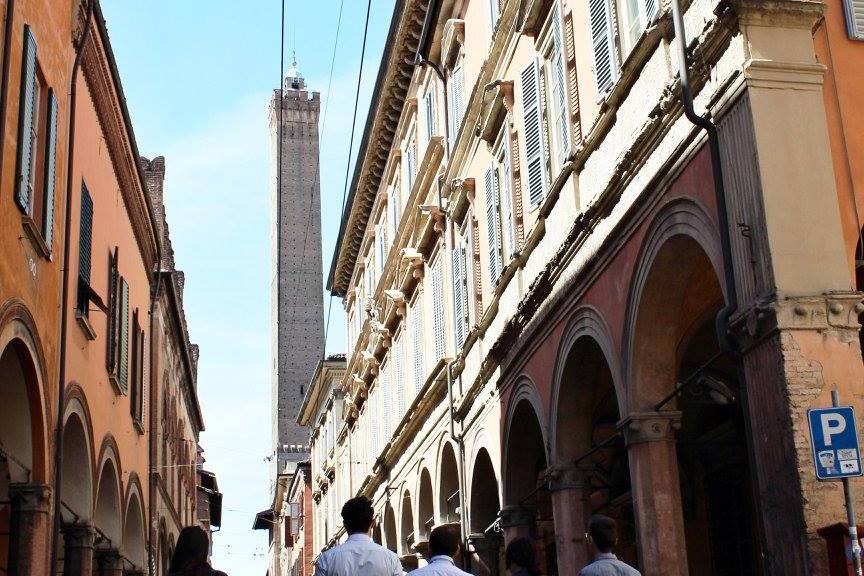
x=641, y=427
x=567, y=476
x=517, y=515
x=79, y=535
x=835, y=311
x=31, y=497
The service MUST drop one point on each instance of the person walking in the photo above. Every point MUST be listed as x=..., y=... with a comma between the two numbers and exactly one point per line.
x=603, y=535
x=190, y=555
x=445, y=553
x=359, y=555
x=520, y=557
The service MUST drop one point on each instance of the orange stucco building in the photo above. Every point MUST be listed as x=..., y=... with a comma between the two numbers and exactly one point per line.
x=98, y=428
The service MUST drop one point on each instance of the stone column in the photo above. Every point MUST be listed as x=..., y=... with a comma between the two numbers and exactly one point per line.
x=650, y=438
x=78, y=554
x=517, y=521
x=109, y=562
x=31, y=527
x=570, y=511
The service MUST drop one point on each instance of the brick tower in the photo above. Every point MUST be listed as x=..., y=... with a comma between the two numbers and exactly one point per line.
x=296, y=283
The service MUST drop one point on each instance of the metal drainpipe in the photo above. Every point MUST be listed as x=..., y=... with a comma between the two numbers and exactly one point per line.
x=154, y=379
x=4, y=82
x=64, y=311
x=722, y=321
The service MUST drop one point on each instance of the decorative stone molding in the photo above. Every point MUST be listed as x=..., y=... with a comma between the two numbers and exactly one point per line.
x=30, y=498
x=517, y=515
x=779, y=13
x=830, y=311
x=497, y=101
x=641, y=427
x=454, y=38
x=566, y=477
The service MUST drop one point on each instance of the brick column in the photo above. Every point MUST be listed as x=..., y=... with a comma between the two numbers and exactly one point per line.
x=30, y=529
x=517, y=521
x=570, y=511
x=656, y=492
x=78, y=550
x=109, y=562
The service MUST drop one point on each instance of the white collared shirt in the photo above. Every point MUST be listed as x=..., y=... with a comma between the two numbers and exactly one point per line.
x=358, y=556
x=440, y=566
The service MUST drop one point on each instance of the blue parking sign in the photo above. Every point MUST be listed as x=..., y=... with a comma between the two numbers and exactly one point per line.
x=834, y=437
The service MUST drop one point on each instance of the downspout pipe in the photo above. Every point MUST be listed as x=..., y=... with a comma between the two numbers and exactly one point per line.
x=723, y=316
x=153, y=402
x=64, y=307
x=4, y=82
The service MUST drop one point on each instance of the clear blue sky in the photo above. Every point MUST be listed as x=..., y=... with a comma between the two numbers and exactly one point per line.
x=198, y=77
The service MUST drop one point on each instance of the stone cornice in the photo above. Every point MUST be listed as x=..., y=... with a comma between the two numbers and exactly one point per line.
x=97, y=64
x=391, y=90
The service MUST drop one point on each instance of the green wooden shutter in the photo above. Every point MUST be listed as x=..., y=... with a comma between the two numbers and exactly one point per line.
x=50, y=171
x=113, y=315
x=26, y=125
x=124, y=336
x=133, y=395
x=85, y=240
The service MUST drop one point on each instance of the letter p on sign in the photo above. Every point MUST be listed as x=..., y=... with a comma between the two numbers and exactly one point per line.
x=832, y=424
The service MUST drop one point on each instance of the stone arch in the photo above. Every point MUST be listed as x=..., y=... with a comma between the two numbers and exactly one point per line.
x=134, y=541
x=484, y=503
x=586, y=323
x=108, y=515
x=524, y=436
x=23, y=375
x=406, y=524
x=390, y=535
x=425, y=505
x=448, y=485
x=77, y=490
x=682, y=232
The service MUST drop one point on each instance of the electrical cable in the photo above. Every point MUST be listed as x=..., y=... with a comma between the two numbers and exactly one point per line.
x=350, y=150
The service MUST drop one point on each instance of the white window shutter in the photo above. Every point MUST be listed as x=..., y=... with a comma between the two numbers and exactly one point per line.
x=507, y=196
x=493, y=222
x=559, y=85
x=438, y=304
x=457, y=100
x=468, y=271
x=651, y=11
x=401, y=395
x=534, y=153
x=459, y=303
x=431, y=120
x=26, y=125
x=600, y=15
x=854, y=18
x=417, y=341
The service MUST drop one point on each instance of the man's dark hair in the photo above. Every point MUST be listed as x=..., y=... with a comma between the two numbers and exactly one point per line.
x=603, y=532
x=444, y=541
x=521, y=552
x=357, y=515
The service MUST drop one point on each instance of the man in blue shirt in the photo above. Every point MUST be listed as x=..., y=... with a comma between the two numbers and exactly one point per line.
x=603, y=536
x=444, y=550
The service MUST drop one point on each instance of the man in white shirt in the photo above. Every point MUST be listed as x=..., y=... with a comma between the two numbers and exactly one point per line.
x=359, y=555
x=444, y=549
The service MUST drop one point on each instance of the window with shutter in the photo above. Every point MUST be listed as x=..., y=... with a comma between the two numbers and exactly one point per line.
x=602, y=41
x=50, y=183
x=854, y=10
x=458, y=298
x=456, y=106
x=493, y=222
x=113, y=313
x=85, y=243
x=559, y=86
x=27, y=125
x=507, y=197
x=438, y=304
x=494, y=13
x=137, y=371
x=534, y=141
x=401, y=395
x=417, y=341
x=429, y=105
x=410, y=165
x=123, y=375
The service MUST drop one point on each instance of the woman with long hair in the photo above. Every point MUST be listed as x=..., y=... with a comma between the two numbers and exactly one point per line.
x=190, y=555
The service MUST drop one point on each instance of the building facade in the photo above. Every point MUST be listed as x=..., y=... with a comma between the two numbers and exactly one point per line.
x=296, y=291
x=78, y=307
x=567, y=297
